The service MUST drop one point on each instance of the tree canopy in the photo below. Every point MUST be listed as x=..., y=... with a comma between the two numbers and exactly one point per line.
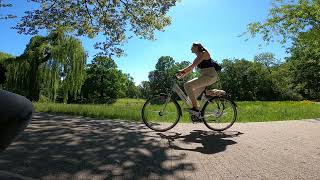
x=162, y=78
x=46, y=64
x=289, y=18
x=298, y=21
x=103, y=80
x=112, y=18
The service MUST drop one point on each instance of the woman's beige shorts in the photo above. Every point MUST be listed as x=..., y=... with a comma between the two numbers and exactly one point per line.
x=196, y=86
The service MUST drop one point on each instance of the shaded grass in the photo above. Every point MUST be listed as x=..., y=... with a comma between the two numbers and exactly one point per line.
x=130, y=109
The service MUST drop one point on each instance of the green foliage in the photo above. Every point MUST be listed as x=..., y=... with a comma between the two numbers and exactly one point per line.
x=299, y=21
x=288, y=19
x=92, y=17
x=3, y=69
x=305, y=60
x=48, y=63
x=105, y=83
x=247, y=80
x=267, y=59
x=145, y=89
x=4, y=56
x=283, y=82
x=129, y=88
x=162, y=78
x=264, y=79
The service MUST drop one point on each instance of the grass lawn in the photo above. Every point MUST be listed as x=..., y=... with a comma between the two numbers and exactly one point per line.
x=130, y=109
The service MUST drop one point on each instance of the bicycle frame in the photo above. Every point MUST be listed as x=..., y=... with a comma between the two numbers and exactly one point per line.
x=185, y=98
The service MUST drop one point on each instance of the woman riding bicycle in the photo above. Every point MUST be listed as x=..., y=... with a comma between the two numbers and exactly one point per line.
x=208, y=74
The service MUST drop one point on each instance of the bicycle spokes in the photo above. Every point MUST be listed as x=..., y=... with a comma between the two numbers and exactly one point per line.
x=161, y=113
x=219, y=113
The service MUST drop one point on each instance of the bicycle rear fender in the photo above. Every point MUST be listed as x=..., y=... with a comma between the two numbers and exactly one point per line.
x=225, y=97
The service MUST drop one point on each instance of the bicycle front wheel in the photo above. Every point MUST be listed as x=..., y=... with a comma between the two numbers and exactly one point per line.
x=219, y=113
x=161, y=113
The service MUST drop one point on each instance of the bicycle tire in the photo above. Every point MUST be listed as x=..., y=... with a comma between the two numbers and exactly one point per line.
x=173, y=104
x=217, y=117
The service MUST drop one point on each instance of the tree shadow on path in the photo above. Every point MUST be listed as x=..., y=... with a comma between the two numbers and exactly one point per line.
x=68, y=147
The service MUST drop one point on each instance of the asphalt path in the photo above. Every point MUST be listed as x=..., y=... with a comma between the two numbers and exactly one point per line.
x=69, y=147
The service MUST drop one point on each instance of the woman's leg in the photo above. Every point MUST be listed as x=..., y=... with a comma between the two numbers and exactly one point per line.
x=189, y=87
x=196, y=86
x=193, y=89
x=15, y=114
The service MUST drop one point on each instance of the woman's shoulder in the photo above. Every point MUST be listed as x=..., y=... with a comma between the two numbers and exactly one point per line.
x=205, y=55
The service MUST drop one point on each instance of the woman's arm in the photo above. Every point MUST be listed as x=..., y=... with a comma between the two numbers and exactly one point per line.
x=197, y=60
x=185, y=71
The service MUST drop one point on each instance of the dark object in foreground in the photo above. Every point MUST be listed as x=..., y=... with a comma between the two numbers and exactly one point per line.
x=12, y=176
x=3, y=71
x=15, y=114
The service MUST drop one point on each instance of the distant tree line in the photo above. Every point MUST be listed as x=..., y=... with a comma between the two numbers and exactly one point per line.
x=54, y=68
x=262, y=79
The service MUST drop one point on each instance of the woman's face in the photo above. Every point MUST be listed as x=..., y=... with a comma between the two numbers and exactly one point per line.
x=194, y=49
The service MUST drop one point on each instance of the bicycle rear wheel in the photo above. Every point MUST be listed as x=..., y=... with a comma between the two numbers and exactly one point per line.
x=161, y=113
x=219, y=113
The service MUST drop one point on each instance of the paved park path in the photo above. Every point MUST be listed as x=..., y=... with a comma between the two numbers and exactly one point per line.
x=68, y=147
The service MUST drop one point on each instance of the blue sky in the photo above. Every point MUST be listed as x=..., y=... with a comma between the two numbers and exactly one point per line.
x=214, y=23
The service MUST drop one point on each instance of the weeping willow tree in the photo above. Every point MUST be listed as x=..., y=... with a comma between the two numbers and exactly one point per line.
x=47, y=64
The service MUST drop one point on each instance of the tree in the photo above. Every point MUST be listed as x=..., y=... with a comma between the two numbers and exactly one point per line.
x=299, y=21
x=162, y=78
x=3, y=69
x=267, y=59
x=145, y=89
x=104, y=81
x=288, y=19
x=4, y=56
x=246, y=80
x=45, y=61
x=306, y=67
x=282, y=77
x=260, y=82
x=232, y=76
x=130, y=90
x=112, y=18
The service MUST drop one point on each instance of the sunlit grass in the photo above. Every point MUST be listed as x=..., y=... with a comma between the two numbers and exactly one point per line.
x=277, y=110
x=130, y=109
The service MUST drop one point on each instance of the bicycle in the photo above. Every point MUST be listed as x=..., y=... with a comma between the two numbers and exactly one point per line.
x=162, y=112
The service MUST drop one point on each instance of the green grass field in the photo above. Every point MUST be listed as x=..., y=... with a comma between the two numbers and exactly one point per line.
x=130, y=109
